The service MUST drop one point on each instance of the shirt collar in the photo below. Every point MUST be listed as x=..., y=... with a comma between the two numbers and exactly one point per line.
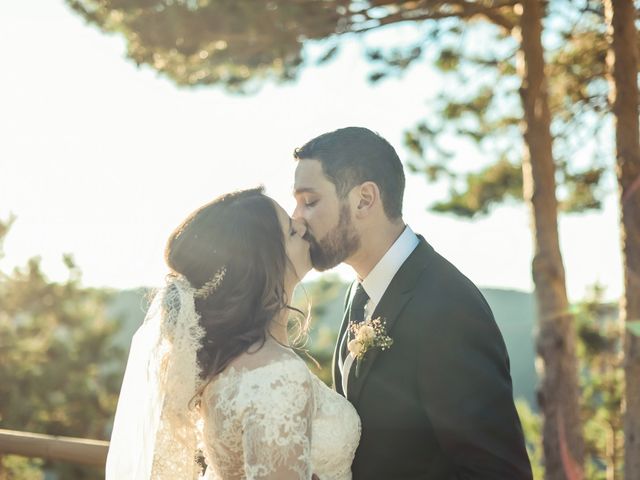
x=376, y=283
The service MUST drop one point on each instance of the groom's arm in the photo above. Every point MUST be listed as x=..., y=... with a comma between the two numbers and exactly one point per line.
x=465, y=388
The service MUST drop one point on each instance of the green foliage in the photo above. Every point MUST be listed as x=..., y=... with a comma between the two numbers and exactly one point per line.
x=14, y=467
x=482, y=190
x=481, y=104
x=532, y=428
x=602, y=382
x=634, y=327
x=326, y=315
x=59, y=371
x=234, y=43
x=240, y=44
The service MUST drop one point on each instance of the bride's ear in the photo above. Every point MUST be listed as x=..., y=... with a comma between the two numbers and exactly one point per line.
x=368, y=197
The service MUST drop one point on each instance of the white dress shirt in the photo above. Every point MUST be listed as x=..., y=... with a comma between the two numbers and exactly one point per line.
x=376, y=283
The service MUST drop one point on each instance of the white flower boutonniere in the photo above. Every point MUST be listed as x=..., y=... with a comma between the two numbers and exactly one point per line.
x=370, y=333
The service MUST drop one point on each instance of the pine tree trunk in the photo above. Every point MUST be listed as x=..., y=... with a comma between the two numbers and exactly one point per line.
x=558, y=393
x=623, y=73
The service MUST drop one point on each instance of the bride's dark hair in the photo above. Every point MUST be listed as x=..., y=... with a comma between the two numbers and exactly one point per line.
x=239, y=231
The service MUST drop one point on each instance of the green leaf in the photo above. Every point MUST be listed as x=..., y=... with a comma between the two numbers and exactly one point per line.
x=634, y=327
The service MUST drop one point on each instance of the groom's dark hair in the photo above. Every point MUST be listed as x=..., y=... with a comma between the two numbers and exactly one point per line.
x=354, y=155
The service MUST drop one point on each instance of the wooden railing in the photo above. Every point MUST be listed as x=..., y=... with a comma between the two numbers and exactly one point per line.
x=66, y=449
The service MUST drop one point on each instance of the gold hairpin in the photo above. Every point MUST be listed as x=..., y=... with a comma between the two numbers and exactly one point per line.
x=212, y=285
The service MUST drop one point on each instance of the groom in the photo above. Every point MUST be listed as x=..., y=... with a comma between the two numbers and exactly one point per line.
x=437, y=404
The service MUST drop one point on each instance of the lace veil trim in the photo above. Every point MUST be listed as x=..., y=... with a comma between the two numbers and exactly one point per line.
x=155, y=430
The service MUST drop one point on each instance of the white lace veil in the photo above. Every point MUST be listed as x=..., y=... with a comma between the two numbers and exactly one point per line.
x=154, y=433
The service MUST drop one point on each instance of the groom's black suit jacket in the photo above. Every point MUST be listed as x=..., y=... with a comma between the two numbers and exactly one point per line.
x=438, y=404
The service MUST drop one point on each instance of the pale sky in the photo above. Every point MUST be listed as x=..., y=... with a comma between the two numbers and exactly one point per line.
x=101, y=159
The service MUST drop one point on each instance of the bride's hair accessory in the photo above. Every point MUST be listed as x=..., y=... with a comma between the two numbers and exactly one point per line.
x=162, y=377
x=212, y=285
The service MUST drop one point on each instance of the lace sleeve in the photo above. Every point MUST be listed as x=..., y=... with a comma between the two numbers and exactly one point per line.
x=276, y=425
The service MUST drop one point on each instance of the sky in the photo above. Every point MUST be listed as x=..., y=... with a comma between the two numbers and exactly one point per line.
x=102, y=159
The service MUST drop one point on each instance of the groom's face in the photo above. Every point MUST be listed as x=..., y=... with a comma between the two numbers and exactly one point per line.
x=330, y=231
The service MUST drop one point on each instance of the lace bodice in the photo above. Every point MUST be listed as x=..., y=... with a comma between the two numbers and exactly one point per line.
x=268, y=417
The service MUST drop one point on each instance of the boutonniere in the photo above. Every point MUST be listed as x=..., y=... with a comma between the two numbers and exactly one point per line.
x=370, y=333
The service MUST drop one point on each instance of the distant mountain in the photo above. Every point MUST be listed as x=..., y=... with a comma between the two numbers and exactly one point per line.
x=514, y=312
x=130, y=306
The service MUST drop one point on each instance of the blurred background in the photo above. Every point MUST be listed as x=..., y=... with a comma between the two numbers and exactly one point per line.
x=120, y=117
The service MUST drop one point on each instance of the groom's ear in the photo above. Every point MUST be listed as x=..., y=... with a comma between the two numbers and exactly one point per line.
x=368, y=197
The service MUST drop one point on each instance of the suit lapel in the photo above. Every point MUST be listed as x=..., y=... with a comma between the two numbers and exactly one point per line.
x=389, y=309
x=398, y=293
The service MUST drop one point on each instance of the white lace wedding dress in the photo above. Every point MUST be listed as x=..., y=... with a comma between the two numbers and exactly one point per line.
x=268, y=417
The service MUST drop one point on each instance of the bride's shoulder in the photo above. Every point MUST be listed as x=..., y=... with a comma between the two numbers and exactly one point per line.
x=262, y=365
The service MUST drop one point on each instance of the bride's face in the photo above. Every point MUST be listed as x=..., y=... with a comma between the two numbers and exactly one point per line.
x=297, y=249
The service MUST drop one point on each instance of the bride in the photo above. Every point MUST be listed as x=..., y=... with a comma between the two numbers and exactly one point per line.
x=211, y=369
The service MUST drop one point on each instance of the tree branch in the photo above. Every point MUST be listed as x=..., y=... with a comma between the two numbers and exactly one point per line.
x=423, y=10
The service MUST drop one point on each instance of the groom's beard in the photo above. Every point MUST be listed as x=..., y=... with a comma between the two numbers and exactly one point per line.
x=337, y=245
